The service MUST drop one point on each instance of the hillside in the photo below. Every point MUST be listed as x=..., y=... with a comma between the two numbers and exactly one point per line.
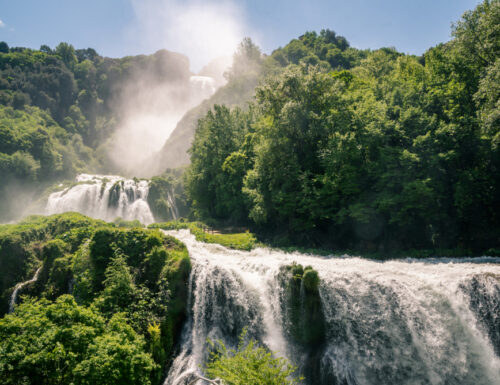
x=373, y=151
x=59, y=110
x=249, y=68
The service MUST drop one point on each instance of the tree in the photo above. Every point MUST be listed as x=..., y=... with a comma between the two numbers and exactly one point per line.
x=219, y=134
x=61, y=343
x=116, y=357
x=298, y=110
x=46, y=49
x=4, y=47
x=248, y=364
x=477, y=33
x=67, y=53
x=119, y=287
x=246, y=60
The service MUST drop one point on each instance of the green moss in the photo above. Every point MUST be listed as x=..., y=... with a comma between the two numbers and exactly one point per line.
x=176, y=271
x=158, y=197
x=302, y=303
x=310, y=280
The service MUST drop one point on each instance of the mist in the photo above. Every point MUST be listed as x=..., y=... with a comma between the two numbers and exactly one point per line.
x=201, y=30
x=157, y=95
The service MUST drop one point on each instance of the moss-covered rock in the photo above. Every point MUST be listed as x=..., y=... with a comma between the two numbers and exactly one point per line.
x=114, y=194
x=95, y=261
x=166, y=196
x=22, y=245
x=302, y=305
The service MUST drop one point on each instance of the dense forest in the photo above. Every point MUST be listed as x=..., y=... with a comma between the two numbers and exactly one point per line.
x=372, y=150
x=60, y=107
x=318, y=145
x=127, y=303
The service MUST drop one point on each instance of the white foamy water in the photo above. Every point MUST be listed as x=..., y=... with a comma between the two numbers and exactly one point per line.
x=104, y=197
x=19, y=286
x=202, y=86
x=395, y=322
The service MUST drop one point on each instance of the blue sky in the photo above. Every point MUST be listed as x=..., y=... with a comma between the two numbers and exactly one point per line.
x=205, y=28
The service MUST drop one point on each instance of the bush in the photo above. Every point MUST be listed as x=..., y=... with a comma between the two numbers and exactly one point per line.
x=310, y=279
x=248, y=364
x=61, y=342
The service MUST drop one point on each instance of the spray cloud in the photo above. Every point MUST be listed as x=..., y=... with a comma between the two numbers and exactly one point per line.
x=157, y=95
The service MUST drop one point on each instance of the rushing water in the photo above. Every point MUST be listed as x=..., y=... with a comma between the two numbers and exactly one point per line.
x=104, y=197
x=396, y=322
x=202, y=86
x=19, y=286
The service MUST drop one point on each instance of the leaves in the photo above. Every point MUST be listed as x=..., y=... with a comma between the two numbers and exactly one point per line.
x=248, y=364
x=374, y=155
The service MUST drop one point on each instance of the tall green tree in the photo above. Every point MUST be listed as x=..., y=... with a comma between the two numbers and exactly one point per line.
x=62, y=343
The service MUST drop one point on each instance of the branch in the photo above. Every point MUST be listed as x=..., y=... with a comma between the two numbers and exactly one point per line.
x=217, y=381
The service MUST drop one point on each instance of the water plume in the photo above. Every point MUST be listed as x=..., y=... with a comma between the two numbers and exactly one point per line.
x=163, y=88
x=201, y=30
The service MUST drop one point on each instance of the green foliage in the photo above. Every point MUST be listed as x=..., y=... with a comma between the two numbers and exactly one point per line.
x=34, y=149
x=22, y=248
x=301, y=302
x=477, y=33
x=67, y=54
x=166, y=196
x=310, y=279
x=248, y=364
x=239, y=241
x=386, y=152
x=62, y=342
x=246, y=61
x=119, y=287
x=214, y=193
x=325, y=50
x=137, y=272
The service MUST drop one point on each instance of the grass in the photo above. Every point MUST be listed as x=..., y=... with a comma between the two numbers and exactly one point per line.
x=239, y=241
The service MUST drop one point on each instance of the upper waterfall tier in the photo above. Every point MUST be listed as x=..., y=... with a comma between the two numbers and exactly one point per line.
x=104, y=197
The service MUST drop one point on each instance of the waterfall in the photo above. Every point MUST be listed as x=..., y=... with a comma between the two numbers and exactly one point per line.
x=19, y=286
x=432, y=321
x=104, y=197
x=173, y=206
x=202, y=87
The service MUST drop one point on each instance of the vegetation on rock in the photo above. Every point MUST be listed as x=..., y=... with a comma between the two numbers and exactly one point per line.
x=131, y=282
x=248, y=364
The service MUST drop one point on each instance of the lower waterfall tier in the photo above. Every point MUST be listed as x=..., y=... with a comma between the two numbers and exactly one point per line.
x=396, y=322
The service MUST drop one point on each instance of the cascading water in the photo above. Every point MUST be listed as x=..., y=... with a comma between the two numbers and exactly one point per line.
x=19, y=286
x=202, y=86
x=396, y=322
x=174, y=211
x=104, y=197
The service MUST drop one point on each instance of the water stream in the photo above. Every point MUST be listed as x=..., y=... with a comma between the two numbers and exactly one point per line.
x=19, y=286
x=396, y=322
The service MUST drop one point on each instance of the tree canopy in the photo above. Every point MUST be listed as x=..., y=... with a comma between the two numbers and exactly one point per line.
x=381, y=152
